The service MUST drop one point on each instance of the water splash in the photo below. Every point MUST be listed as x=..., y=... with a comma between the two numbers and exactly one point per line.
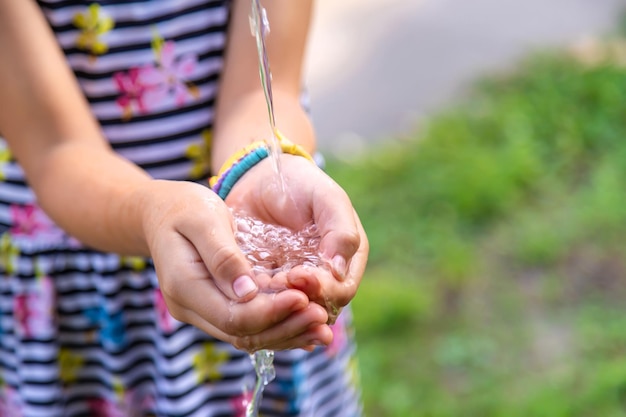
x=259, y=26
x=272, y=249
x=263, y=362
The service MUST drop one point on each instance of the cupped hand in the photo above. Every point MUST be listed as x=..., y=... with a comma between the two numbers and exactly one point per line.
x=308, y=195
x=206, y=280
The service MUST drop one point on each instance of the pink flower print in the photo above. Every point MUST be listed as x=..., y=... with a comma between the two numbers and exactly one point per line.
x=100, y=407
x=34, y=311
x=25, y=220
x=132, y=89
x=30, y=221
x=131, y=402
x=164, y=318
x=22, y=313
x=240, y=404
x=146, y=86
x=171, y=75
x=127, y=403
x=10, y=404
x=340, y=337
x=139, y=406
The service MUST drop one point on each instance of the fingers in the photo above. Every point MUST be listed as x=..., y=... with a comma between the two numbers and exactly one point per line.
x=335, y=217
x=321, y=287
x=306, y=279
x=285, y=320
x=359, y=260
x=221, y=255
x=282, y=320
x=207, y=281
x=292, y=334
x=303, y=328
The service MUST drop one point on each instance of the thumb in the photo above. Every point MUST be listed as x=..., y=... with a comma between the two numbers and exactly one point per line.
x=340, y=234
x=224, y=260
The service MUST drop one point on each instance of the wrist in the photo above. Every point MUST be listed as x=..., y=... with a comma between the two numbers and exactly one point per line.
x=142, y=205
x=242, y=161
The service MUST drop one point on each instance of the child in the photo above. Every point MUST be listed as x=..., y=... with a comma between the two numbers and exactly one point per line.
x=123, y=291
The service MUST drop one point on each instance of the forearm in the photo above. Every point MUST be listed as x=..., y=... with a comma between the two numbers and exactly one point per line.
x=77, y=179
x=94, y=195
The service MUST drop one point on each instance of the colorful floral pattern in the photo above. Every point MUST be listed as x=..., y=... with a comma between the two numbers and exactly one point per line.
x=69, y=365
x=126, y=403
x=162, y=84
x=172, y=72
x=132, y=89
x=208, y=361
x=200, y=155
x=136, y=263
x=167, y=323
x=101, y=407
x=10, y=405
x=340, y=337
x=166, y=80
x=30, y=221
x=353, y=373
x=5, y=158
x=93, y=25
x=111, y=329
x=30, y=227
x=34, y=310
x=9, y=254
x=240, y=404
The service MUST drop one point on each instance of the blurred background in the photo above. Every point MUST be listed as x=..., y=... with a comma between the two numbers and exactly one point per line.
x=378, y=67
x=483, y=143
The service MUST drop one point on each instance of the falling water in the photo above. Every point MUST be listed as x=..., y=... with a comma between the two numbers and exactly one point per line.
x=260, y=28
x=273, y=249
x=263, y=360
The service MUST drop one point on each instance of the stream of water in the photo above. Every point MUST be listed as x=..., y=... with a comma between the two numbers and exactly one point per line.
x=260, y=28
x=272, y=250
x=263, y=360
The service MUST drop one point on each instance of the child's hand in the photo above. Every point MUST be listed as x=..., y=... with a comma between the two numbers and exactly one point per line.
x=200, y=270
x=309, y=196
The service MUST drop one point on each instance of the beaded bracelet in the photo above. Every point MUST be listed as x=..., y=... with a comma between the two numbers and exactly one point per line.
x=243, y=160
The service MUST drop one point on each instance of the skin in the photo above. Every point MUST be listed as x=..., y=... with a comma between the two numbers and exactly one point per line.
x=186, y=228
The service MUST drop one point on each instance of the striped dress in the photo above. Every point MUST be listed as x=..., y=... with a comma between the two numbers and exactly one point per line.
x=85, y=333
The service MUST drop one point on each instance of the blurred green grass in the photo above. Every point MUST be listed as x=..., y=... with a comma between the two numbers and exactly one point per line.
x=497, y=274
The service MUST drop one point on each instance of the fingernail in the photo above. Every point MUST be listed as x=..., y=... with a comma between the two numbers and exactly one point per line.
x=243, y=286
x=339, y=266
